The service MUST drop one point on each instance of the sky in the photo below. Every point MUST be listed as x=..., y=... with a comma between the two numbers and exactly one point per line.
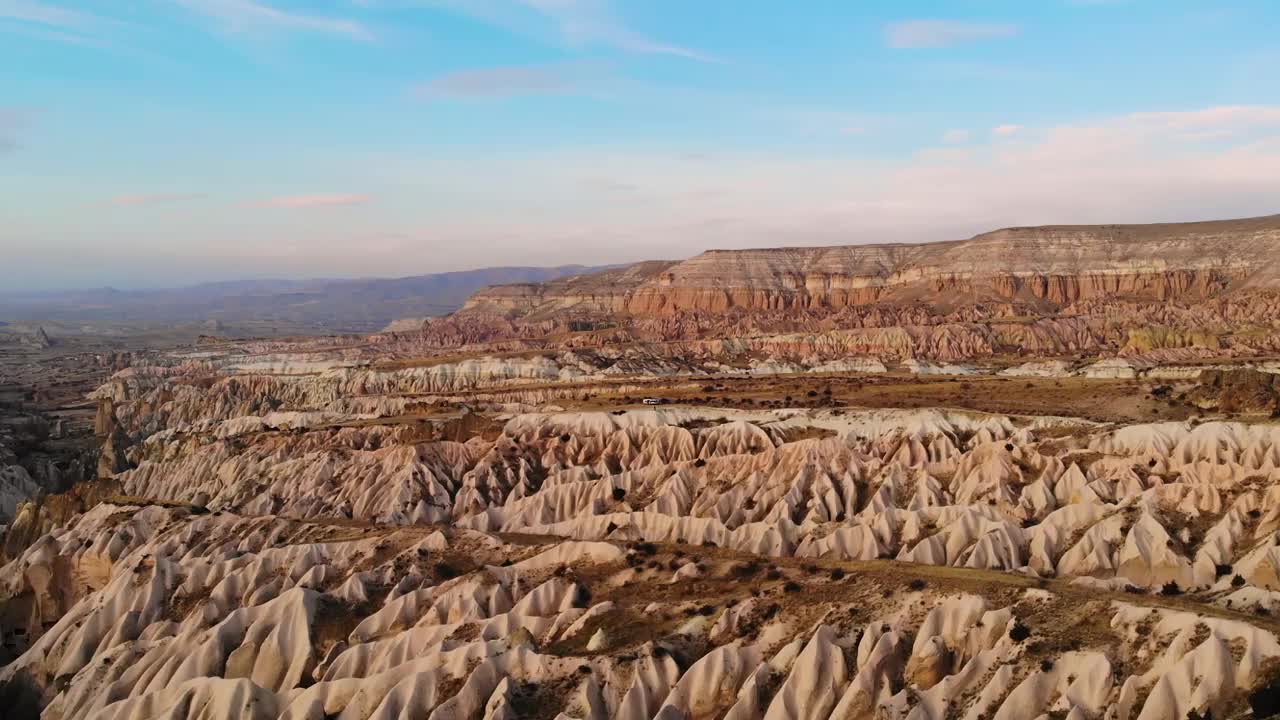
x=158, y=143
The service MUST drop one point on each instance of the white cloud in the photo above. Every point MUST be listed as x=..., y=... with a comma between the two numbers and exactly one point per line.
x=41, y=13
x=1119, y=169
x=315, y=201
x=956, y=136
x=577, y=22
x=463, y=208
x=943, y=33
x=1004, y=131
x=251, y=15
x=46, y=21
x=1130, y=168
x=1224, y=118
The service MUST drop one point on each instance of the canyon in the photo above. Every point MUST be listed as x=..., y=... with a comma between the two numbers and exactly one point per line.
x=1033, y=474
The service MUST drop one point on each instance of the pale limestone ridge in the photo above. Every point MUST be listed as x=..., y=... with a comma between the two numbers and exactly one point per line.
x=1056, y=264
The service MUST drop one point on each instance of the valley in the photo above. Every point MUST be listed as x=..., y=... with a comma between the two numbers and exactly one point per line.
x=1032, y=474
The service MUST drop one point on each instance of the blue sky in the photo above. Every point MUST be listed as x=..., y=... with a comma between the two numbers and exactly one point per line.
x=164, y=142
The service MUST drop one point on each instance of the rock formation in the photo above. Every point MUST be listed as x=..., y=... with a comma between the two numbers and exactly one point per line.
x=280, y=541
x=1203, y=289
x=153, y=612
x=1057, y=265
x=481, y=519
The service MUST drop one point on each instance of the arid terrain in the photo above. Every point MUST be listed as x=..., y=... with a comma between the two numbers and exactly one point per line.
x=1033, y=474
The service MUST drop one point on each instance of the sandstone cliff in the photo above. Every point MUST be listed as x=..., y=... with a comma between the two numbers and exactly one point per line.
x=1053, y=265
x=1200, y=289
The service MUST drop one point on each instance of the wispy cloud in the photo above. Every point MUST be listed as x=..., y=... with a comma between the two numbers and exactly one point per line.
x=1222, y=118
x=46, y=21
x=593, y=21
x=497, y=82
x=314, y=201
x=139, y=199
x=615, y=203
x=40, y=13
x=251, y=15
x=1124, y=168
x=577, y=22
x=1007, y=130
x=1139, y=166
x=943, y=33
x=956, y=136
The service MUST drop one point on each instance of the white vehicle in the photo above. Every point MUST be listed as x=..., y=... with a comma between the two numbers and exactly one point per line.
x=652, y=401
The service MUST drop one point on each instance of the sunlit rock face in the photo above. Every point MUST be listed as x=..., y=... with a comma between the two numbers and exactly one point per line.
x=480, y=518
x=663, y=563
x=1143, y=505
x=289, y=544
x=159, y=612
x=1046, y=291
x=1060, y=265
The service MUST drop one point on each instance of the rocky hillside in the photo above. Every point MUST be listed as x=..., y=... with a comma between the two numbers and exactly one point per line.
x=1194, y=290
x=299, y=536
x=1051, y=266
x=823, y=520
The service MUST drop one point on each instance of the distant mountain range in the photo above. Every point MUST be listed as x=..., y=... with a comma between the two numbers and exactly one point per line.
x=360, y=305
